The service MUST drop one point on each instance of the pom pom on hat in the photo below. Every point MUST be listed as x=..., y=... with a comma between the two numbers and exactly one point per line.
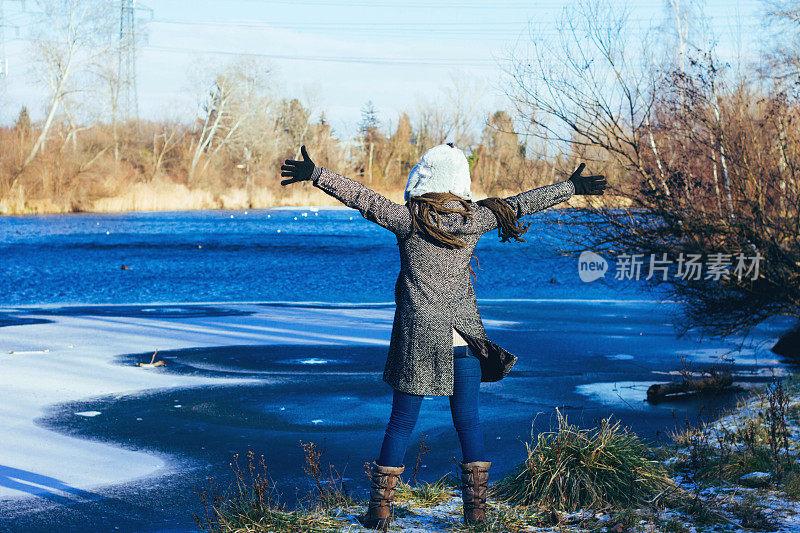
x=443, y=168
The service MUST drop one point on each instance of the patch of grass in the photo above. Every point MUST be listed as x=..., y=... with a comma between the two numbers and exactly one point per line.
x=330, y=490
x=673, y=525
x=790, y=485
x=252, y=504
x=758, y=442
x=703, y=514
x=572, y=468
x=709, y=466
x=751, y=515
x=425, y=494
x=509, y=519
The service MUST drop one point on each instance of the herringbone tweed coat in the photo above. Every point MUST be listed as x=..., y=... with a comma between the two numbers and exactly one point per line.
x=434, y=292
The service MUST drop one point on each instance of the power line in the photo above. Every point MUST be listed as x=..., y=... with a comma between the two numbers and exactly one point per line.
x=493, y=31
x=350, y=25
x=480, y=5
x=406, y=5
x=413, y=61
x=418, y=33
x=366, y=26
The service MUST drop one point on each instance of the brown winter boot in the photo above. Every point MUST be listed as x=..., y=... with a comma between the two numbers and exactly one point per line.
x=382, y=485
x=474, y=487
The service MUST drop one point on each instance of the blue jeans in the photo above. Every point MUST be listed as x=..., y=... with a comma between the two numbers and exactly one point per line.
x=463, y=407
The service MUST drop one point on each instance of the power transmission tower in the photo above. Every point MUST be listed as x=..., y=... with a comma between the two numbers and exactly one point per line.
x=3, y=57
x=128, y=97
x=4, y=25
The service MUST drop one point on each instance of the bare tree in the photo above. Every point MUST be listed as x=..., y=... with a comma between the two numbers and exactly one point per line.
x=231, y=111
x=166, y=139
x=595, y=88
x=455, y=114
x=294, y=120
x=684, y=142
x=783, y=21
x=500, y=161
x=111, y=87
x=73, y=36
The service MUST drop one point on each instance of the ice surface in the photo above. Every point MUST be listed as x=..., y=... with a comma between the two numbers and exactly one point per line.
x=75, y=355
x=621, y=393
x=620, y=357
x=71, y=358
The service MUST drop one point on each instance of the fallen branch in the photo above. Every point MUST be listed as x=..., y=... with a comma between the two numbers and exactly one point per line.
x=711, y=383
x=152, y=364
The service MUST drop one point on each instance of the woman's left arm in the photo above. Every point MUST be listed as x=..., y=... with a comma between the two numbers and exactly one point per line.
x=534, y=200
x=372, y=205
x=541, y=198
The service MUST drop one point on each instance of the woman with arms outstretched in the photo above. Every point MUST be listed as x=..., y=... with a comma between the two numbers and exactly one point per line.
x=438, y=345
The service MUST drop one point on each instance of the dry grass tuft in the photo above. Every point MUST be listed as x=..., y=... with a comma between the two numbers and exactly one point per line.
x=572, y=468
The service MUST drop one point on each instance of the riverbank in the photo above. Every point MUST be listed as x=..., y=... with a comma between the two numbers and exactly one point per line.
x=166, y=195
x=738, y=472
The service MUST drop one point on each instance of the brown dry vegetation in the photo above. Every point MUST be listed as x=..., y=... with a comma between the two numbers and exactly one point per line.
x=707, y=153
x=151, y=168
x=151, y=172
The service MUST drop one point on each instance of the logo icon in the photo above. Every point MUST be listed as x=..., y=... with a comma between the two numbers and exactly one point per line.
x=591, y=266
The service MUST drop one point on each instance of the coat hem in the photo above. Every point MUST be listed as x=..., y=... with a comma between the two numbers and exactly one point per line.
x=495, y=361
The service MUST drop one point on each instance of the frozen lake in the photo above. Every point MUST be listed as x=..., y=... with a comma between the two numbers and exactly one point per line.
x=93, y=441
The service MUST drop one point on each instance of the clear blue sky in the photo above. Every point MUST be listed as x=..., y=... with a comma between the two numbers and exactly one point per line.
x=345, y=52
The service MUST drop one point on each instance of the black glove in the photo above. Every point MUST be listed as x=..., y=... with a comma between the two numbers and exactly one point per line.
x=297, y=170
x=587, y=184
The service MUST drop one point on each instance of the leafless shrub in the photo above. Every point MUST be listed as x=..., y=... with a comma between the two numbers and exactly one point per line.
x=708, y=164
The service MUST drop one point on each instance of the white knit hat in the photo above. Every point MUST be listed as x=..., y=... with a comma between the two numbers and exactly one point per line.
x=443, y=168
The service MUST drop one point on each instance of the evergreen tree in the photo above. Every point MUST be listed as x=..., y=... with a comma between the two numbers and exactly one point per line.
x=368, y=127
x=23, y=126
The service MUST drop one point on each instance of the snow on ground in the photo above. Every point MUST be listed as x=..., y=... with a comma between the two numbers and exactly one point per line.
x=71, y=358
